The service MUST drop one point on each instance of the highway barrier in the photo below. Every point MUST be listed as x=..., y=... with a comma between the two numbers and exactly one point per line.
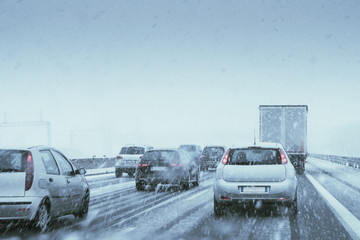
x=93, y=163
x=344, y=160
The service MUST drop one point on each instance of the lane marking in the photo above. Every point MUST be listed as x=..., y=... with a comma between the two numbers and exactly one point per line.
x=197, y=195
x=348, y=220
x=207, y=183
x=127, y=230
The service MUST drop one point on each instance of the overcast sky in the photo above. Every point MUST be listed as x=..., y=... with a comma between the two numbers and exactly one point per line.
x=111, y=72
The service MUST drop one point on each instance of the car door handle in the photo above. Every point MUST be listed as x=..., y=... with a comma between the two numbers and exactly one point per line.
x=51, y=179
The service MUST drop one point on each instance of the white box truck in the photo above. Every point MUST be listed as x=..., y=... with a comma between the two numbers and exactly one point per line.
x=286, y=124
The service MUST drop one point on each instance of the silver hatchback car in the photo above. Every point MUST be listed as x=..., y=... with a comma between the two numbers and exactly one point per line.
x=38, y=184
x=255, y=176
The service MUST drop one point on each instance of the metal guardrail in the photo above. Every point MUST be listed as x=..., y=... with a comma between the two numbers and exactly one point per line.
x=93, y=163
x=348, y=161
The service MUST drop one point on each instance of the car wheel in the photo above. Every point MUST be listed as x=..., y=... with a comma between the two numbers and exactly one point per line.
x=197, y=182
x=131, y=174
x=219, y=209
x=140, y=186
x=42, y=217
x=185, y=184
x=118, y=173
x=84, y=207
x=293, y=208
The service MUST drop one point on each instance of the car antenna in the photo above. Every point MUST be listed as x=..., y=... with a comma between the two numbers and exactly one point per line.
x=254, y=137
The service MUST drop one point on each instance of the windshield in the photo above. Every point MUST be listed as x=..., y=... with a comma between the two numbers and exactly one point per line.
x=254, y=157
x=135, y=150
x=13, y=160
x=213, y=151
x=161, y=157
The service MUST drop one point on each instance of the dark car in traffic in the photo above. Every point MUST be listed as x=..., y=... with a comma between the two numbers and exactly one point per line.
x=166, y=167
x=211, y=157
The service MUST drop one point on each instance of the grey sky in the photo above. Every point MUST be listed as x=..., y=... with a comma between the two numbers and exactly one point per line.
x=107, y=73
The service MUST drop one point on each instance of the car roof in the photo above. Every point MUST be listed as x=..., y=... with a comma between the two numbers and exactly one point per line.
x=261, y=145
x=214, y=146
x=164, y=149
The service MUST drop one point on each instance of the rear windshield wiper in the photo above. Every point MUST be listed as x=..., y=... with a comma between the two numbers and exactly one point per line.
x=10, y=170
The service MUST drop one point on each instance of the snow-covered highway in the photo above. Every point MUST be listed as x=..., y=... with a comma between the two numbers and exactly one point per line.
x=118, y=211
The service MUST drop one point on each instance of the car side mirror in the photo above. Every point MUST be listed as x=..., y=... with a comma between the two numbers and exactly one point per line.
x=80, y=171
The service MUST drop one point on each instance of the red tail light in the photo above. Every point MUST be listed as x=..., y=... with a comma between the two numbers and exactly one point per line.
x=118, y=157
x=283, y=157
x=225, y=198
x=142, y=165
x=226, y=156
x=176, y=164
x=29, y=172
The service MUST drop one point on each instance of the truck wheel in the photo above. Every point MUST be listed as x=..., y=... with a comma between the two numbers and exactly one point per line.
x=118, y=173
x=299, y=171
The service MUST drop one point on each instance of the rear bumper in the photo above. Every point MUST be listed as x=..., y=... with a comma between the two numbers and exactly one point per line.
x=126, y=169
x=18, y=208
x=159, y=180
x=279, y=192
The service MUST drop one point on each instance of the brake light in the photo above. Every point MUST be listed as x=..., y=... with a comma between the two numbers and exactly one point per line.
x=176, y=164
x=226, y=156
x=29, y=172
x=118, y=157
x=142, y=165
x=225, y=198
x=283, y=157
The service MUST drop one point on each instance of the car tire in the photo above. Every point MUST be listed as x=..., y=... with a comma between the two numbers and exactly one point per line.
x=185, y=184
x=293, y=208
x=140, y=186
x=118, y=173
x=42, y=218
x=84, y=207
x=131, y=174
x=197, y=182
x=219, y=209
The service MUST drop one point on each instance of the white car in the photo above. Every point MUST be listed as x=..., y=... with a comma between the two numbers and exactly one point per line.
x=128, y=159
x=255, y=177
x=40, y=183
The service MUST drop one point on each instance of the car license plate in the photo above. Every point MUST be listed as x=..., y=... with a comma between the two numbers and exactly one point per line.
x=254, y=189
x=158, y=169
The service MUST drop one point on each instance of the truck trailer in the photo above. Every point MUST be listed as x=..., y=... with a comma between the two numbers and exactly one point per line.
x=286, y=124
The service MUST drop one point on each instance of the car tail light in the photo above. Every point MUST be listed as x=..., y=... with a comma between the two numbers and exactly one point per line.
x=29, y=172
x=226, y=156
x=176, y=164
x=225, y=198
x=283, y=157
x=118, y=157
x=142, y=165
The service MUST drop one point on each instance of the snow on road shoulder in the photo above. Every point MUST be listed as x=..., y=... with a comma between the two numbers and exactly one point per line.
x=98, y=171
x=349, y=221
x=346, y=174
